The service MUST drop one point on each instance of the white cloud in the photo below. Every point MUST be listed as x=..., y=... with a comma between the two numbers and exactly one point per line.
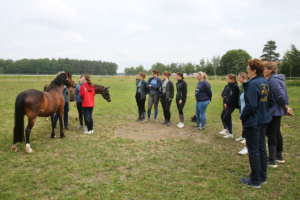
x=73, y=36
x=132, y=27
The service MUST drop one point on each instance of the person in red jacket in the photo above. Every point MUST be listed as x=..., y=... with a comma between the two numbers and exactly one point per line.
x=87, y=93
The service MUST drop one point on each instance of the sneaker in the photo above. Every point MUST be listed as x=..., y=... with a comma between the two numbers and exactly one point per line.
x=196, y=125
x=272, y=164
x=243, y=141
x=249, y=183
x=280, y=160
x=239, y=139
x=68, y=128
x=228, y=136
x=168, y=123
x=84, y=128
x=147, y=120
x=223, y=132
x=92, y=131
x=143, y=120
x=181, y=125
x=79, y=127
x=264, y=182
x=87, y=132
x=153, y=121
x=201, y=128
x=139, y=119
x=165, y=122
x=244, y=151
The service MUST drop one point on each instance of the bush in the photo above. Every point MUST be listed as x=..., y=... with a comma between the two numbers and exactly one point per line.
x=292, y=83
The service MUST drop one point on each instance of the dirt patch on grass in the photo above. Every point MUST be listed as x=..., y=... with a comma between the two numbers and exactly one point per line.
x=156, y=132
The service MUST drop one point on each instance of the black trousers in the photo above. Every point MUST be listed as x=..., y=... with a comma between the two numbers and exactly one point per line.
x=166, y=104
x=226, y=118
x=80, y=113
x=180, y=106
x=140, y=102
x=275, y=140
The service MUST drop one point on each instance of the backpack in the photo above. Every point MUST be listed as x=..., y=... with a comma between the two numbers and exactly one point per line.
x=194, y=118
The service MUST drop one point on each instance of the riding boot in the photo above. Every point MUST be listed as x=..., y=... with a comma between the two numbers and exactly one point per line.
x=139, y=119
x=81, y=121
x=272, y=153
x=143, y=115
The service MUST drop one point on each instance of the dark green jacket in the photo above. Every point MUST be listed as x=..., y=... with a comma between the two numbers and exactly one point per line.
x=169, y=89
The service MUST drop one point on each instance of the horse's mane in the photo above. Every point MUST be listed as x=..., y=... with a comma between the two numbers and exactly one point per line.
x=58, y=81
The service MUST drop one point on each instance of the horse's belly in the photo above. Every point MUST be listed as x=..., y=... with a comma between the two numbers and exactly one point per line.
x=44, y=114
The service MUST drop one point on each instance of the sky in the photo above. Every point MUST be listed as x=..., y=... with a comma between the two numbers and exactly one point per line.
x=144, y=32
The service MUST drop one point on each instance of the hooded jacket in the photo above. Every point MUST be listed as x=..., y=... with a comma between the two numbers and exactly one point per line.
x=232, y=100
x=258, y=101
x=279, y=91
x=87, y=94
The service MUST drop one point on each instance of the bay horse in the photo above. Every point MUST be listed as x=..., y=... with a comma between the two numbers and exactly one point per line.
x=35, y=103
x=99, y=89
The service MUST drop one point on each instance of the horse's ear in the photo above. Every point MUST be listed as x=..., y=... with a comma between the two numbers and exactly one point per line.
x=106, y=88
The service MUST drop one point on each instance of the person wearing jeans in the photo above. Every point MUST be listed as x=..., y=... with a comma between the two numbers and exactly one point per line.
x=280, y=108
x=153, y=86
x=203, y=96
x=255, y=117
x=66, y=111
x=78, y=102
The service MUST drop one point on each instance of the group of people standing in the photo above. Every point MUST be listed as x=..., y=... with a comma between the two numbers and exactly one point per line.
x=262, y=102
x=163, y=91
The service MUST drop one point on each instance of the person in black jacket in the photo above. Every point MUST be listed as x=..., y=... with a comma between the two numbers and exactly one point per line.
x=224, y=95
x=231, y=103
x=180, y=97
x=140, y=95
x=166, y=96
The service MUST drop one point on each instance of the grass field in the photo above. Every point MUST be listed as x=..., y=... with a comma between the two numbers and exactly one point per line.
x=125, y=159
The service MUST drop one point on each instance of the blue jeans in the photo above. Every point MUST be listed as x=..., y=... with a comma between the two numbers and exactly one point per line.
x=66, y=110
x=256, y=143
x=200, y=112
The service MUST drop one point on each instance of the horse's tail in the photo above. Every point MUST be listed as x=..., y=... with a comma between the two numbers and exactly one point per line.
x=19, y=118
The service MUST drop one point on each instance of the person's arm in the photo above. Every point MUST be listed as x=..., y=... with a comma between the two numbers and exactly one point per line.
x=172, y=91
x=208, y=90
x=250, y=96
x=81, y=92
x=231, y=98
x=184, y=91
x=278, y=93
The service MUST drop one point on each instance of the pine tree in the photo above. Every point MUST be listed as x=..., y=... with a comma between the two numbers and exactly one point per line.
x=269, y=52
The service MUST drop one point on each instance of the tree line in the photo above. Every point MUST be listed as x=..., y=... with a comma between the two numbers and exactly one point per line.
x=232, y=62
x=47, y=66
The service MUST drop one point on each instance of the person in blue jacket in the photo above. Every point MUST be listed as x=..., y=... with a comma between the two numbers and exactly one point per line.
x=78, y=101
x=255, y=118
x=203, y=96
x=153, y=86
x=280, y=108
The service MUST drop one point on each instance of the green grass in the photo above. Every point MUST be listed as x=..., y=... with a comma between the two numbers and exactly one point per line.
x=181, y=164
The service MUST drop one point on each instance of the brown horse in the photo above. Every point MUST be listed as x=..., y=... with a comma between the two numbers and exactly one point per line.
x=35, y=103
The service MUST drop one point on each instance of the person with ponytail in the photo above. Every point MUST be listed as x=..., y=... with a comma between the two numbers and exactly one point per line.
x=180, y=97
x=203, y=96
x=140, y=95
x=231, y=103
x=166, y=96
x=78, y=101
x=87, y=93
x=153, y=86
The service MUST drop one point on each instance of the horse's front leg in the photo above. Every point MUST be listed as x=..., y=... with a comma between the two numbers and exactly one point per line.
x=28, y=131
x=62, y=135
x=52, y=124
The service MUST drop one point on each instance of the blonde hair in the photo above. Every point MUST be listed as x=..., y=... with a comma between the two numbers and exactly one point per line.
x=272, y=65
x=243, y=75
x=202, y=74
x=88, y=80
x=142, y=74
x=166, y=73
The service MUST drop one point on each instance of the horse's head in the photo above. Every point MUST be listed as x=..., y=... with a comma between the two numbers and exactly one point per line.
x=106, y=94
x=69, y=82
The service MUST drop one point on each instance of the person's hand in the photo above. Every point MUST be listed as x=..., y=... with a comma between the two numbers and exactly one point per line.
x=170, y=99
x=180, y=101
x=75, y=104
x=225, y=106
x=149, y=85
x=290, y=112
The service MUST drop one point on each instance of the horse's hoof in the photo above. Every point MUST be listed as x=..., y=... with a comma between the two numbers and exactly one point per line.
x=53, y=136
x=14, y=148
x=62, y=136
x=28, y=149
